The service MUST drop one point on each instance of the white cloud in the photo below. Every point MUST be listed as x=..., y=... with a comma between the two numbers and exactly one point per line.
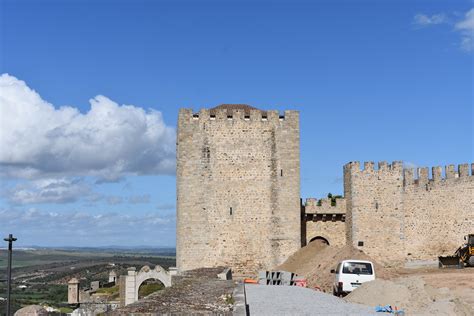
x=466, y=27
x=75, y=228
x=139, y=199
x=468, y=22
x=61, y=191
x=49, y=191
x=109, y=141
x=114, y=200
x=425, y=20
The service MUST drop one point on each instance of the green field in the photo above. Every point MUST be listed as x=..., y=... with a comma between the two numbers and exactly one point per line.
x=26, y=258
x=44, y=272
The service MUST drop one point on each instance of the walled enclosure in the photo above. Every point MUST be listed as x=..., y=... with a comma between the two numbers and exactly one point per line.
x=325, y=221
x=238, y=188
x=394, y=217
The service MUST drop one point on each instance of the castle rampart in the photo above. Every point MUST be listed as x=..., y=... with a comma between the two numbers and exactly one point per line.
x=439, y=210
x=394, y=214
x=325, y=220
x=238, y=188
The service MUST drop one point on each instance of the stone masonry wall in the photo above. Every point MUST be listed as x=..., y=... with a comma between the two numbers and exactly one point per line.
x=394, y=217
x=376, y=209
x=238, y=189
x=438, y=211
x=326, y=221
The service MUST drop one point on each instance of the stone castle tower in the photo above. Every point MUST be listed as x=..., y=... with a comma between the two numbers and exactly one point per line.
x=73, y=291
x=238, y=188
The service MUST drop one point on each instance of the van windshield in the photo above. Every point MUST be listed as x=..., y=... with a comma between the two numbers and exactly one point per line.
x=357, y=268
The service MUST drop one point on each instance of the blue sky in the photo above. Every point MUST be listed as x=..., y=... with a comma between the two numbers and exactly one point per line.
x=373, y=80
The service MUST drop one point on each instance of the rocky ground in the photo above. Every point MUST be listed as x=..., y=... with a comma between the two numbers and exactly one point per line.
x=197, y=292
x=417, y=297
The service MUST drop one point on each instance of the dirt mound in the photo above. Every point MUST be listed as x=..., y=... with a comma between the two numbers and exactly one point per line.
x=410, y=294
x=316, y=260
x=428, y=292
x=303, y=261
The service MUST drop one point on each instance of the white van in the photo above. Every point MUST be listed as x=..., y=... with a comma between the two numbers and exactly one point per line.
x=350, y=274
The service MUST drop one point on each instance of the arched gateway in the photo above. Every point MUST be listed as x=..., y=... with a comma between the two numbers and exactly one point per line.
x=133, y=280
x=320, y=238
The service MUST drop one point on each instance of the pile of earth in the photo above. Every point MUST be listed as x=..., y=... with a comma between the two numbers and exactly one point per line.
x=412, y=295
x=315, y=261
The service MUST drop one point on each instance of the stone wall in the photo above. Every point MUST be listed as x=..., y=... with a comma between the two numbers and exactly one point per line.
x=438, y=211
x=238, y=188
x=325, y=221
x=394, y=217
x=376, y=212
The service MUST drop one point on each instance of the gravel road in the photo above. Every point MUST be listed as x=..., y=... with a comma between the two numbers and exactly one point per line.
x=293, y=300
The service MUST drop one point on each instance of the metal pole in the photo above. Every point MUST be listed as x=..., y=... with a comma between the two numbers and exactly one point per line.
x=10, y=240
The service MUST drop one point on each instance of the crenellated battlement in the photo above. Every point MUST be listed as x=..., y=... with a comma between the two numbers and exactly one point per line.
x=412, y=177
x=407, y=208
x=325, y=205
x=421, y=176
x=369, y=167
x=324, y=219
x=228, y=112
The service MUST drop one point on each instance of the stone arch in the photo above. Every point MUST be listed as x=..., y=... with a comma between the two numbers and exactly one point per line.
x=134, y=280
x=321, y=238
x=143, y=291
x=158, y=273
